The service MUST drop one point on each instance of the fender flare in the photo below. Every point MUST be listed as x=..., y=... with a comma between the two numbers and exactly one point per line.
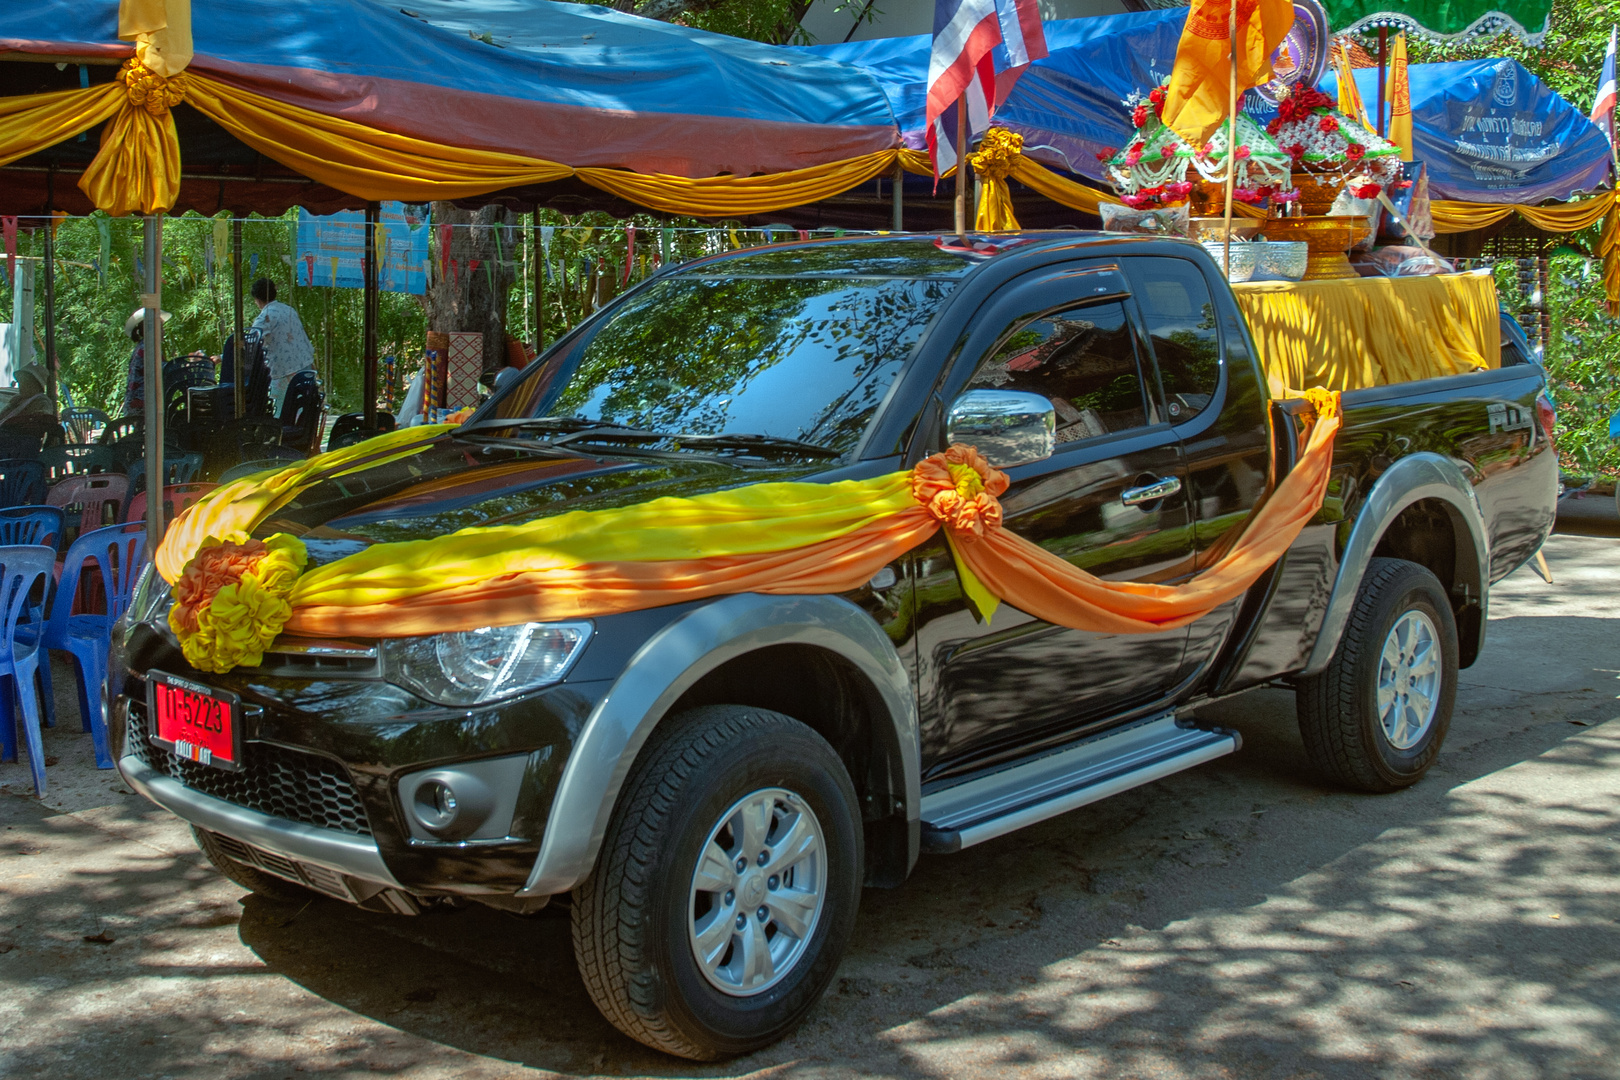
x=665, y=667
x=1411, y=479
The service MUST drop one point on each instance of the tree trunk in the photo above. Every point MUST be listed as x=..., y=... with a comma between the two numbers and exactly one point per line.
x=464, y=296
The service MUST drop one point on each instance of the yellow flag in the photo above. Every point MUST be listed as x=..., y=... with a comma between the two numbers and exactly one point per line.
x=1350, y=103
x=1199, y=93
x=1400, y=99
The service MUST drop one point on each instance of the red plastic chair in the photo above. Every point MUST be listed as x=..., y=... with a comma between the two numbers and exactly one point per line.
x=176, y=498
x=90, y=501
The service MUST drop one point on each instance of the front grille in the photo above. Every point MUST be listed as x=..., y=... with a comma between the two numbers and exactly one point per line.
x=273, y=780
x=316, y=877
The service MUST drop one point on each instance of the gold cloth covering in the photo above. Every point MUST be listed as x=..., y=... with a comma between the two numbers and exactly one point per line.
x=1354, y=333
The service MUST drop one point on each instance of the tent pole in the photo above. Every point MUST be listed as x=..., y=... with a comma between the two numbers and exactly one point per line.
x=537, y=265
x=152, y=323
x=1383, y=62
x=369, y=375
x=1231, y=138
x=239, y=339
x=50, y=288
x=961, y=166
x=899, y=197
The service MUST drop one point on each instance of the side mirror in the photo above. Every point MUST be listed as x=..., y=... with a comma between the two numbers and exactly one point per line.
x=1009, y=427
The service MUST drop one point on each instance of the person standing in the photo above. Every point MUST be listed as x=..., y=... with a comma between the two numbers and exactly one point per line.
x=135, y=384
x=287, y=349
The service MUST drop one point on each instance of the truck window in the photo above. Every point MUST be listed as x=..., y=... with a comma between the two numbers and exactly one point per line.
x=1180, y=315
x=1081, y=359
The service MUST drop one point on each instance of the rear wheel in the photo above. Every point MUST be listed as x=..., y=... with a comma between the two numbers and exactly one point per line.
x=250, y=878
x=727, y=884
x=1375, y=718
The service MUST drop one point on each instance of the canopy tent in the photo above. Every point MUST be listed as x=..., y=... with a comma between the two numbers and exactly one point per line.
x=1490, y=131
x=333, y=103
x=1444, y=20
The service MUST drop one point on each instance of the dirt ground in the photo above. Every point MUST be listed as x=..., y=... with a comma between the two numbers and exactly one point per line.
x=1237, y=920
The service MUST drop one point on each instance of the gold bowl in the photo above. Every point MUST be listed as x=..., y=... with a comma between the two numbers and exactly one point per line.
x=1214, y=228
x=1328, y=240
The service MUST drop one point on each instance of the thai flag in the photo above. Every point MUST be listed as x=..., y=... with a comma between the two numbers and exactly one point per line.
x=1024, y=37
x=1603, y=107
x=960, y=71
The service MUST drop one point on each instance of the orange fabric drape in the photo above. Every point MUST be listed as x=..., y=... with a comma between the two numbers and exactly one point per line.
x=1197, y=99
x=956, y=490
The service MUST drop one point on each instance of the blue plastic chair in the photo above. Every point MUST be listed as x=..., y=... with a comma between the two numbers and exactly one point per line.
x=22, y=482
x=40, y=525
x=118, y=551
x=22, y=568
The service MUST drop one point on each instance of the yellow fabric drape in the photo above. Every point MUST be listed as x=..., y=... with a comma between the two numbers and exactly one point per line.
x=996, y=157
x=1349, y=93
x=1400, y=98
x=1198, y=96
x=161, y=30
x=731, y=196
x=137, y=169
x=35, y=122
x=1355, y=333
x=1450, y=216
x=1609, y=247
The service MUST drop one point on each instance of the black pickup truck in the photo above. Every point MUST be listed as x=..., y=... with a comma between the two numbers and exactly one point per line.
x=710, y=784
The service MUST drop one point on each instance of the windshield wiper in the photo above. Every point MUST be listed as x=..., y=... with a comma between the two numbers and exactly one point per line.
x=563, y=425
x=756, y=442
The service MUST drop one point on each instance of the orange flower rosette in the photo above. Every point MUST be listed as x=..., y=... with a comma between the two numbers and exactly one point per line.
x=231, y=600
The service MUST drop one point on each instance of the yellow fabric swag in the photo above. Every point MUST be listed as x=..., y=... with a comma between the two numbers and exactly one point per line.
x=1352, y=334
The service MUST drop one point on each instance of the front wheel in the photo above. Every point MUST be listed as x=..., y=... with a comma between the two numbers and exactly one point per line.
x=727, y=885
x=1374, y=719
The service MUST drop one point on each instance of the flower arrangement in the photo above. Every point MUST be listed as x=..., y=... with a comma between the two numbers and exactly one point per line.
x=231, y=600
x=1318, y=138
x=1159, y=169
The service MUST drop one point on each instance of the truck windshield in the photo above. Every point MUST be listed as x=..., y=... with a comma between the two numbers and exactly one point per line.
x=806, y=357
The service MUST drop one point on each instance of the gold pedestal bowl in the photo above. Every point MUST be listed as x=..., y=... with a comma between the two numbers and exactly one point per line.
x=1327, y=239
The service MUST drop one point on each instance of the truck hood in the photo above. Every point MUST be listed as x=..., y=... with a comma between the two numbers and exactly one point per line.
x=460, y=483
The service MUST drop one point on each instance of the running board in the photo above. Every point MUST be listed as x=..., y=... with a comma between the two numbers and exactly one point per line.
x=990, y=806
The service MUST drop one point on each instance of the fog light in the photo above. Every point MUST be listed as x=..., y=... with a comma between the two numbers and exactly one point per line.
x=449, y=803
x=436, y=804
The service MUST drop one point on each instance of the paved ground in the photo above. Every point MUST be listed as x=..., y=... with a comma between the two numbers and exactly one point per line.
x=1238, y=920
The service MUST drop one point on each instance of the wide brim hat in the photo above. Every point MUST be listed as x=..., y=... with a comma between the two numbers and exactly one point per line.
x=139, y=315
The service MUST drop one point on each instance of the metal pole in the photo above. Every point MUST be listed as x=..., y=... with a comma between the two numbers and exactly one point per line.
x=50, y=308
x=539, y=267
x=899, y=197
x=152, y=323
x=1231, y=140
x=961, y=166
x=369, y=374
x=238, y=340
x=1383, y=61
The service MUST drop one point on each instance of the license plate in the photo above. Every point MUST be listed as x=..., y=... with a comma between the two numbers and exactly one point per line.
x=195, y=722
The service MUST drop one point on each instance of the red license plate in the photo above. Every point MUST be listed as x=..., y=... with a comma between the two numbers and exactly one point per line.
x=195, y=722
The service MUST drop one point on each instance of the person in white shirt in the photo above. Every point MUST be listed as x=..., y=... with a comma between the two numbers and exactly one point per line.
x=286, y=347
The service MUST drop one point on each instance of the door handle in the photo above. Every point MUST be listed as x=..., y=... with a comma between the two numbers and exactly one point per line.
x=1165, y=485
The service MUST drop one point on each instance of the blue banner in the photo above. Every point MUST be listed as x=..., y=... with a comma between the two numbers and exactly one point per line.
x=331, y=246
x=1491, y=131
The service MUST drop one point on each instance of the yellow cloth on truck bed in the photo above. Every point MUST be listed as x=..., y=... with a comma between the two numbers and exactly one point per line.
x=1352, y=333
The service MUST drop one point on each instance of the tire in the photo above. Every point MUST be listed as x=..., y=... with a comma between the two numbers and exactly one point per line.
x=250, y=878
x=1348, y=736
x=638, y=919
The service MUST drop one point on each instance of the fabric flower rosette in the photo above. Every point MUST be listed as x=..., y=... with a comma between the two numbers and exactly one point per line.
x=234, y=596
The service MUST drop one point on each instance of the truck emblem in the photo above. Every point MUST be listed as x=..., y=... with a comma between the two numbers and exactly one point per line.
x=1505, y=417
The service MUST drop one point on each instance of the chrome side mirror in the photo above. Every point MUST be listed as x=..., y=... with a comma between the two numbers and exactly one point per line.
x=1009, y=427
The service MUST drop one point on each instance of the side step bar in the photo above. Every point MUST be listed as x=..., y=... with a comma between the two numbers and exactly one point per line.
x=989, y=806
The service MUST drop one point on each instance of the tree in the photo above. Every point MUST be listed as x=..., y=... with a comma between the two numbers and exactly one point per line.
x=473, y=295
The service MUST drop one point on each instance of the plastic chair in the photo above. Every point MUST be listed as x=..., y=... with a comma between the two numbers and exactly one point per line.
x=182, y=467
x=76, y=459
x=117, y=552
x=78, y=422
x=22, y=569
x=248, y=468
x=34, y=526
x=125, y=427
x=94, y=501
x=22, y=483
x=301, y=413
x=176, y=498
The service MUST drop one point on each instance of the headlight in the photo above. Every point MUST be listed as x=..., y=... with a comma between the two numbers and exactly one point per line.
x=471, y=667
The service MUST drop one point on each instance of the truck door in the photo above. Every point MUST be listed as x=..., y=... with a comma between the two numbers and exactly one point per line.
x=1216, y=402
x=986, y=690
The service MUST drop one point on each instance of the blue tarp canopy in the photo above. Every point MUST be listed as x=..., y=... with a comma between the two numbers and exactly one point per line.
x=1489, y=130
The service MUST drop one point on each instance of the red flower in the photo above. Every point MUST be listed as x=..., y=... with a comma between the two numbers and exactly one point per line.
x=1104, y=155
x=1366, y=191
x=1355, y=151
x=1157, y=95
x=1275, y=126
x=1139, y=116
x=1328, y=125
x=1167, y=151
x=1242, y=152
x=1297, y=152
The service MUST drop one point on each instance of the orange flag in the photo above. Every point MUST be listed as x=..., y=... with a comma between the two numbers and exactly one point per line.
x=1197, y=100
x=1400, y=99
